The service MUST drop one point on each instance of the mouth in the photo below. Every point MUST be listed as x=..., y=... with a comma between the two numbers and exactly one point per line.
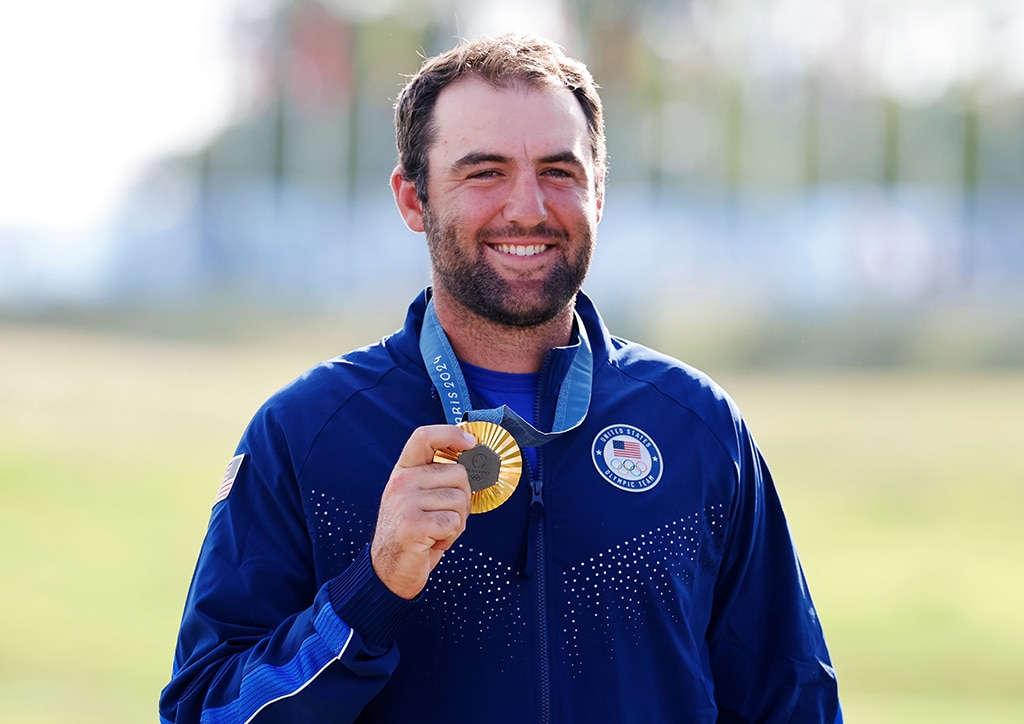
x=520, y=249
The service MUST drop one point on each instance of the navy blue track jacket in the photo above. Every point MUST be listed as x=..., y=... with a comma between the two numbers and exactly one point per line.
x=642, y=572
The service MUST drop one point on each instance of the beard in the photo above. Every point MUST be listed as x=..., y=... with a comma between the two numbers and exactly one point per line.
x=478, y=286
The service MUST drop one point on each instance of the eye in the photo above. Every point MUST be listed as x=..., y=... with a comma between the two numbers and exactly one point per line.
x=484, y=174
x=558, y=173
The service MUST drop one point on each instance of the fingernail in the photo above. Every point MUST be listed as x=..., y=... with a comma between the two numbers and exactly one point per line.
x=470, y=439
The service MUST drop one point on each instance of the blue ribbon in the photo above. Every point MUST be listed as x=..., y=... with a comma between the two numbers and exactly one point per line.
x=443, y=367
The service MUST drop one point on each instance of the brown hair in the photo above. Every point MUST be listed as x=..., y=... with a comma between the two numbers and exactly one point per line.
x=501, y=61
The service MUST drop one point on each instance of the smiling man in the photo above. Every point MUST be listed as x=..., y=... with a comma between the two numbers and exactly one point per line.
x=510, y=213
x=501, y=512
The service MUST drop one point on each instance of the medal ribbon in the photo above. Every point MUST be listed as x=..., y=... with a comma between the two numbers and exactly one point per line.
x=443, y=366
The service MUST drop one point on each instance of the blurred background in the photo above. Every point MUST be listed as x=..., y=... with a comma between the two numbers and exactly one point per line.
x=818, y=201
x=809, y=156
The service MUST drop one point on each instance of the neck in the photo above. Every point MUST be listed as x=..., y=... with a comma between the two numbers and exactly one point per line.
x=499, y=347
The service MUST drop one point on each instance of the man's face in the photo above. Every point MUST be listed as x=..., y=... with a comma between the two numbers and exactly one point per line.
x=513, y=200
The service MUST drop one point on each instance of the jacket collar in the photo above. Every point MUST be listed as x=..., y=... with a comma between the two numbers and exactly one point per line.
x=406, y=340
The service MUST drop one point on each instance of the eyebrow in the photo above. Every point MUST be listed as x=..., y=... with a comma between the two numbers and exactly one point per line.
x=566, y=156
x=475, y=158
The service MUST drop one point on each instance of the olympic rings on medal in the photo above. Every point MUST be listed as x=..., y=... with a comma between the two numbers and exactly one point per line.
x=629, y=466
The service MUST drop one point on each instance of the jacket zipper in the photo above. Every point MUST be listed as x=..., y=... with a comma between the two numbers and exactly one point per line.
x=540, y=585
x=540, y=588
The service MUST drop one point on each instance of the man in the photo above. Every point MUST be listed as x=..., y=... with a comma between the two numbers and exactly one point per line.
x=642, y=569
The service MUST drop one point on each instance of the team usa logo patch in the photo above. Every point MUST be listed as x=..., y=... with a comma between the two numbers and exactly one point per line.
x=627, y=458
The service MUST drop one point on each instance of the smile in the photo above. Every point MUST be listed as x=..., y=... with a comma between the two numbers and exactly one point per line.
x=520, y=249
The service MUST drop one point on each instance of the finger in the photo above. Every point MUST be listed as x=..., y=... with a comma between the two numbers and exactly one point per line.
x=426, y=477
x=420, y=447
x=442, y=525
x=441, y=545
x=444, y=487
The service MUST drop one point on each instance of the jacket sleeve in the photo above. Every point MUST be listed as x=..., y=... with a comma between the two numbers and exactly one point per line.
x=767, y=649
x=259, y=641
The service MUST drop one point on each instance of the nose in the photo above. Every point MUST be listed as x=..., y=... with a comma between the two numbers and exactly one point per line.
x=526, y=203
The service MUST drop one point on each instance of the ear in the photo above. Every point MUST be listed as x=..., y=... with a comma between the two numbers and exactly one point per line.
x=599, y=193
x=408, y=201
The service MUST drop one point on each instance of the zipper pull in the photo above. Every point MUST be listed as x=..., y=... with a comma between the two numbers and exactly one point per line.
x=525, y=562
x=537, y=499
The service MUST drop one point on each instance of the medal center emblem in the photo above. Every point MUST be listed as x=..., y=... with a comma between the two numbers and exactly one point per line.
x=482, y=464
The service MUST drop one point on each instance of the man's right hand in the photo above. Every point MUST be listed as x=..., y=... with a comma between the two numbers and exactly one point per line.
x=423, y=510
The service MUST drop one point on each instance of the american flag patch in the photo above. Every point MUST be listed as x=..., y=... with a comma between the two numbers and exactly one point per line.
x=627, y=448
x=229, y=477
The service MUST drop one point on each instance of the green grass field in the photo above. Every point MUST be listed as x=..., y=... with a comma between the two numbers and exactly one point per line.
x=905, y=492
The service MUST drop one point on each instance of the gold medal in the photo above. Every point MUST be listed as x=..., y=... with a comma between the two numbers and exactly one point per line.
x=494, y=465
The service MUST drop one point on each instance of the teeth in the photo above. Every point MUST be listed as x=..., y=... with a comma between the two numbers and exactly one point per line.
x=521, y=250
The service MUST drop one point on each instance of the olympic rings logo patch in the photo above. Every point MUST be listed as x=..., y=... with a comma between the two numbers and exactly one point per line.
x=627, y=458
